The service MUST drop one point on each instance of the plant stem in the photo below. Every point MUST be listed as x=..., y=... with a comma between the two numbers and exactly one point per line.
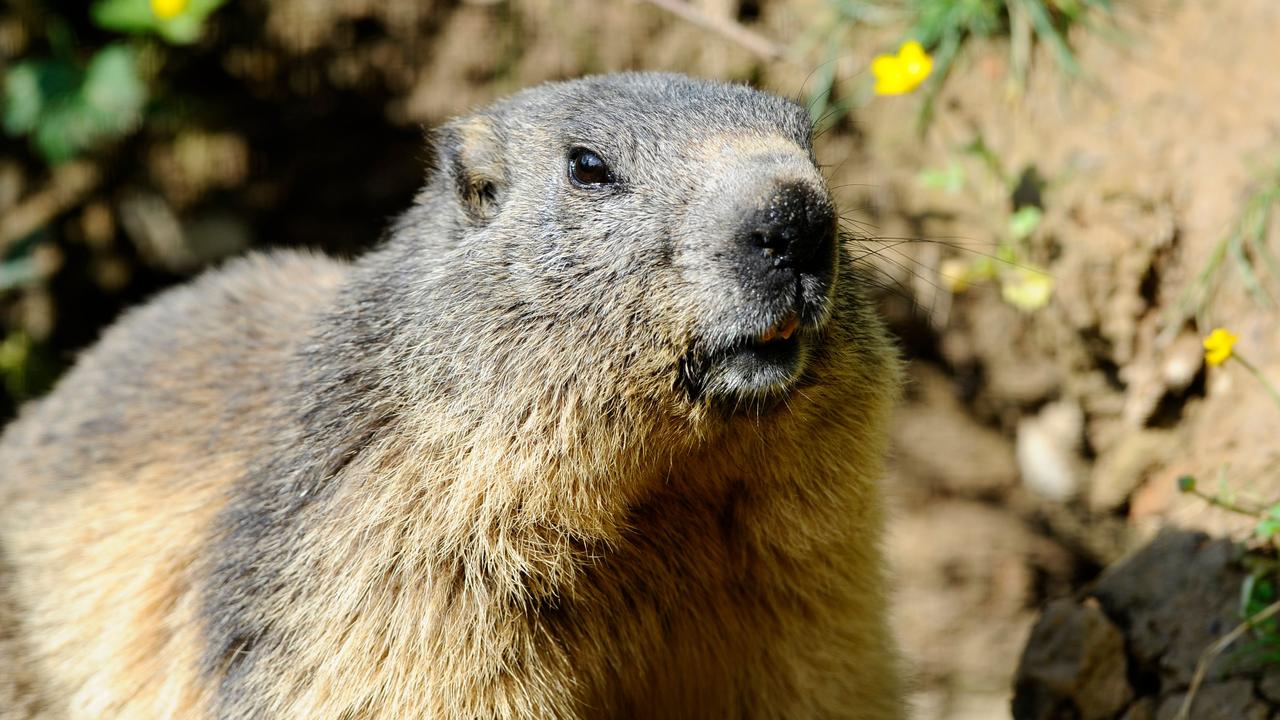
x=68, y=184
x=1271, y=389
x=728, y=28
x=1214, y=650
x=1227, y=504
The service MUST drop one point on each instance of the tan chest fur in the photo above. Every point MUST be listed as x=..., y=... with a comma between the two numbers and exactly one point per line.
x=726, y=589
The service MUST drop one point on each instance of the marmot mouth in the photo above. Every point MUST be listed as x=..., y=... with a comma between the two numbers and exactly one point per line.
x=750, y=366
x=781, y=330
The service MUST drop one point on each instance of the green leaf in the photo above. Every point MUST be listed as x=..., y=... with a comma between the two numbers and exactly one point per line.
x=1049, y=34
x=23, y=99
x=32, y=88
x=183, y=29
x=1267, y=528
x=136, y=16
x=950, y=178
x=65, y=109
x=1024, y=222
x=1269, y=525
x=18, y=272
x=113, y=92
x=63, y=132
x=130, y=16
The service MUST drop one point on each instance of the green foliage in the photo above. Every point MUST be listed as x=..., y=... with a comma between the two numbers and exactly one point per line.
x=833, y=34
x=66, y=97
x=943, y=27
x=946, y=24
x=1269, y=525
x=949, y=178
x=1024, y=221
x=1022, y=284
x=66, y=109
x=137, y=17
x=1258, y=592
x=26, y=368
x=1246, y=250
x=68, y=102
x=938, y=18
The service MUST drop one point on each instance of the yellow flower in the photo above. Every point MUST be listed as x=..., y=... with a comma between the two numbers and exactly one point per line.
x=1027, y=289
x=901, y=73
x=1218, y=346
x=956, y=274
x=166, y=9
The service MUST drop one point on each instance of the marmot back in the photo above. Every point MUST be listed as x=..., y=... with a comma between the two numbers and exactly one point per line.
x=595, y=433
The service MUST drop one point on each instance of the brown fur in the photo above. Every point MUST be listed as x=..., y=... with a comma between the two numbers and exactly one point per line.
x=300, y=488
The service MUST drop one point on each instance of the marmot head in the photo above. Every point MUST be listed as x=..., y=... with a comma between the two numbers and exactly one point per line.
x=674, y=229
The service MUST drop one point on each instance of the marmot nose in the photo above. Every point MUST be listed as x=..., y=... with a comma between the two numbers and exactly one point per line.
x=796, y=228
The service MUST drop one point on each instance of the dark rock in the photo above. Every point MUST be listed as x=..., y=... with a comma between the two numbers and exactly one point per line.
x=1270, y=686
x=1074, y=666
x=1142, y=709
x=1173, y=599
x=1232, y=700
x=1128, y=647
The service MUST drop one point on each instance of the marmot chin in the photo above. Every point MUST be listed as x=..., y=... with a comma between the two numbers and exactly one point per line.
x=595, y=433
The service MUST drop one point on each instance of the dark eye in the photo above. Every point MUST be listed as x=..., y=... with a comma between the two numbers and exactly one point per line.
x=588, y=168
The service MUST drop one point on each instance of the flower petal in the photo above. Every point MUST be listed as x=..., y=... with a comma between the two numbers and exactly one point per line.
x=911, y=51
x=1218, y=346
x=166, y=9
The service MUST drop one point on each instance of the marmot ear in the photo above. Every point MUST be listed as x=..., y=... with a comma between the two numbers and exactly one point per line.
x=469, y=157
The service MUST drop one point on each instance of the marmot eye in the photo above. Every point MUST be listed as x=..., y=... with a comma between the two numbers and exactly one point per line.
x=588, y=168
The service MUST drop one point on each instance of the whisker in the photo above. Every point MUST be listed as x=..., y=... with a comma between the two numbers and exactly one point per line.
x=864, y=225
x=883, y=255
x=898, y=287
x=845, y=185
x=952, y=244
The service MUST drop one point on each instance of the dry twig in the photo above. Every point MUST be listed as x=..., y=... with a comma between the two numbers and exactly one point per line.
x=1214, y=650
x=65, y=188
x=725, y=27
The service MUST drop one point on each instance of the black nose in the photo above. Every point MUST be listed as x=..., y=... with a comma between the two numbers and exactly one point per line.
x=796, y=228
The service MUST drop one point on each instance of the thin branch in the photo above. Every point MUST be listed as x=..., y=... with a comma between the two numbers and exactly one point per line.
x=1229, y=505
x=1266, y=383
x=68, y=185
x=1214, y=650
x=725, y=27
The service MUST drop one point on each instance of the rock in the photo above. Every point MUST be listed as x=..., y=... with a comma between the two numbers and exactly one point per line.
x=1174, y=598
x=1075, y=661
x=1122, y=469
x=1270, y=686
x=1182, y=362
x=1142, y=709
x=1128, y=647
x=1233, y=700
x=1048, y=451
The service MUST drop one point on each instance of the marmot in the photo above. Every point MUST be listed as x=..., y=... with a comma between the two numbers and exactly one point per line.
x=595, y=433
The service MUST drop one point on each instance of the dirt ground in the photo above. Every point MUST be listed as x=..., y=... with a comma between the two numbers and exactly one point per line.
x=1035, y=447
x=1146, y=167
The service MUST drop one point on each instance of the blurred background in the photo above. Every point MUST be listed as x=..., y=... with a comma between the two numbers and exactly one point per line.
x=1061, y=200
